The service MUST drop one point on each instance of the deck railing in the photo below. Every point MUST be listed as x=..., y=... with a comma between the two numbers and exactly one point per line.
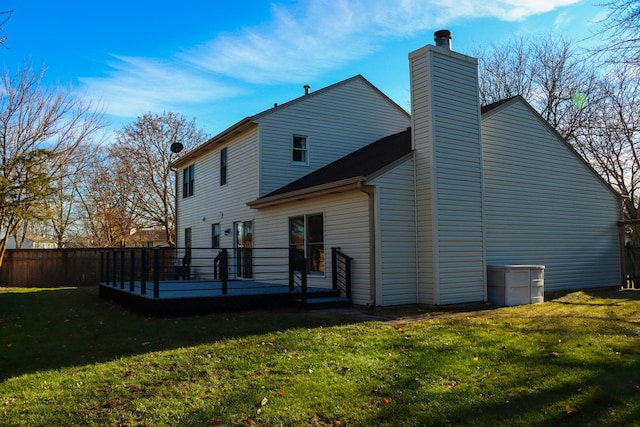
x=298, y=273
x=143, y=268
x=341, y=272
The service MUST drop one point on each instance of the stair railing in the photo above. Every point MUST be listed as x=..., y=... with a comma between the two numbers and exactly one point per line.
x=341, y=272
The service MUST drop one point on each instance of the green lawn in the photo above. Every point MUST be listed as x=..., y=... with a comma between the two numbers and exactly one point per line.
x=68, y=358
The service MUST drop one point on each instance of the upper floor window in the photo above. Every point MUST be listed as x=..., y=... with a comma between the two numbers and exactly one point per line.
x=188, y=177
x=300, y=150
x=223, y=166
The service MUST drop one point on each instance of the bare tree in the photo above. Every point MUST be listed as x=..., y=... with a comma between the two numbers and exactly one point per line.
x=621, y=28
x=610, y=139
x=549, y=73
x=7, y=15
x=143, y=148
x=40, y=128
x=109, y=200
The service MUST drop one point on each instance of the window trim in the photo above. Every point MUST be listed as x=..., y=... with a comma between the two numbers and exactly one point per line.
x=307, y=245
x=224, y=162
x=304, y=151
x=215, y=233
x=188, y=181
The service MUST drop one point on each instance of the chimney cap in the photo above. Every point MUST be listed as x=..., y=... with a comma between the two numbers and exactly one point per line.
x=306, y=89
x=443, y=38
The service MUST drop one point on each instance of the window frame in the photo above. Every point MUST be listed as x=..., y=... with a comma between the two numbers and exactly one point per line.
x=308, y=245
x=297, y=150
x=188, y=181
x=215, y=236
x=224, y=161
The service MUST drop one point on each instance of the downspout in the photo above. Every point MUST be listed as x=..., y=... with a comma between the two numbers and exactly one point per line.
x=372, y=241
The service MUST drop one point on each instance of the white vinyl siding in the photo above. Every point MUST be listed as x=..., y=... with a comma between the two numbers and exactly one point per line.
x=213, y=203
x=336, y=122
x=544, y=205
x=447, y=144
x=396, y=236
x=346, y=225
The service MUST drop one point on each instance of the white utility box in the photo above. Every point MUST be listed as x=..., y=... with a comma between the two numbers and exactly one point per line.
x=515, y=284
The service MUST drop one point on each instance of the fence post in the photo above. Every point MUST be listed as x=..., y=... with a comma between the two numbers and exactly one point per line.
x=102, y=266
x=132, y=271
x=115, y=269
x=224, y=271
x=156, y=273
x=122, y=274
x=143, y=271
x=65, y=267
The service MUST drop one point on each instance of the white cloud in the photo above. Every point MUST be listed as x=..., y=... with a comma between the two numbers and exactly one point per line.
x=134, y=86
x=296, y=44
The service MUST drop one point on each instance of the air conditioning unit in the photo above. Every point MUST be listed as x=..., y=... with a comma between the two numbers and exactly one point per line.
x=515, y=284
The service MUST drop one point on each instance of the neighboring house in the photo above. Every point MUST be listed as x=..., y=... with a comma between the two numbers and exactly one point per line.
x=147, y=238
x=31, y=241
x=422, y=203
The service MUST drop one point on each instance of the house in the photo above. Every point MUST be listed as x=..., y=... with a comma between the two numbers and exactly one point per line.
x=423, y=203
x=147, y=238
x=32, y=241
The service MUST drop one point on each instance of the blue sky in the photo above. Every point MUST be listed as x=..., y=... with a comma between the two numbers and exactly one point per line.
x=219, y=62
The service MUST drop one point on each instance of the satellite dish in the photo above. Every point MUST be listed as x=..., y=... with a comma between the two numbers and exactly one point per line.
x=176, y=147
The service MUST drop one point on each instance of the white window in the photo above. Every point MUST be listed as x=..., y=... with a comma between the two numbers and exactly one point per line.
x=300, y=150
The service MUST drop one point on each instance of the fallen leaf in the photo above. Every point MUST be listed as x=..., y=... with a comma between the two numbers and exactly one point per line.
x=559, y=341
x=591, y=343
x=281, y=393
x=476, y=358
x=264, y=401
x=543, y=340
x=215, y=422
x=570, y=410
x=385, y=400
x=613, y=412
x=552, y=355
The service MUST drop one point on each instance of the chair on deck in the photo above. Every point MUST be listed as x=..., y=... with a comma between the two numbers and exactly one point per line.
x=184, y=271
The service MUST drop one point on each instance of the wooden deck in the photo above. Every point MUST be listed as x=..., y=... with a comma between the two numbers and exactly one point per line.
x=194, y=297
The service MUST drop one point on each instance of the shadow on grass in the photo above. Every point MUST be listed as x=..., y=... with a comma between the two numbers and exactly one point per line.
x=51, y=329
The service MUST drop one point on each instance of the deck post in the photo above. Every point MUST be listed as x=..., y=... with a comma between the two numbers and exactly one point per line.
x=132, y=271
x=122, y=274
x=224, y=271
x=291, y=275
x=348, y=277
x=143, y=271
x=303, y=274
x=156, y=273
x=334, y=267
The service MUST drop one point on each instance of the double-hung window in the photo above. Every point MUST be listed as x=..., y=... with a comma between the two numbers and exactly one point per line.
x=223, y=166
x=306, y=235
x=215, y=235
x=300, y=150
x=188, y=178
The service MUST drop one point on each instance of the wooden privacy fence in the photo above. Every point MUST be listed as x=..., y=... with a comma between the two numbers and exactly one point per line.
x=50, y=267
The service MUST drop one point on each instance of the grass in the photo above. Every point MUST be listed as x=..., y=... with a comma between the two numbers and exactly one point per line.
x=68, y=358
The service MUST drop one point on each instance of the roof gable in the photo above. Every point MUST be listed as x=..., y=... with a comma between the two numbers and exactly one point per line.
x=496, y=107
x=250, y=122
